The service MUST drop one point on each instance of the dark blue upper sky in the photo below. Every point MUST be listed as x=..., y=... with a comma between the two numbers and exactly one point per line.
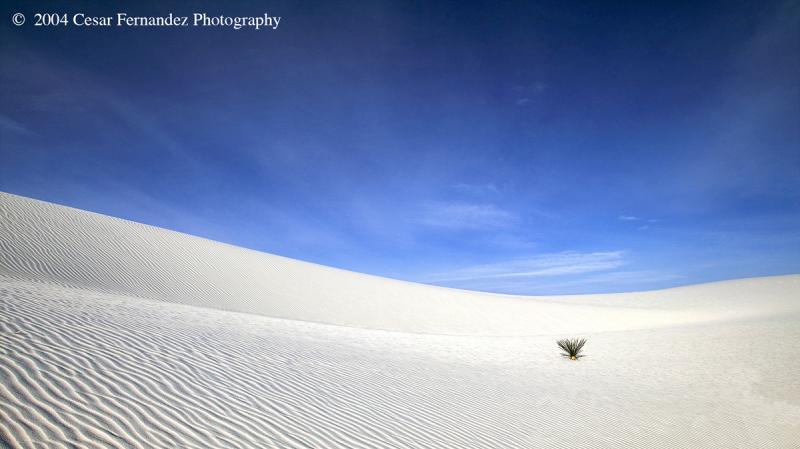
x=518, y=147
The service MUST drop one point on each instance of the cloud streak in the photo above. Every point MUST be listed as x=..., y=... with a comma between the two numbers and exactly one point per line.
x=10, y=125
x=466, y=216
x=545, y=265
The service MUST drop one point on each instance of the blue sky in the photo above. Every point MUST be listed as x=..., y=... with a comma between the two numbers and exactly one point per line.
x=532, y=148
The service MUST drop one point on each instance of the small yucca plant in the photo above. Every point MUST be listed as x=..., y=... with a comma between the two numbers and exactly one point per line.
x=572, y=347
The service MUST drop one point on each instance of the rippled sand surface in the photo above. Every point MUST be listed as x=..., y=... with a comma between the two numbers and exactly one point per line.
x=116, y=334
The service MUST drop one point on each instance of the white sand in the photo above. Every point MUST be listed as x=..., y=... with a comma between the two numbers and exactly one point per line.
x=117, y=334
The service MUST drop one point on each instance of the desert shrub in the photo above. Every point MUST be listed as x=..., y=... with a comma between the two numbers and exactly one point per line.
x=572, y=347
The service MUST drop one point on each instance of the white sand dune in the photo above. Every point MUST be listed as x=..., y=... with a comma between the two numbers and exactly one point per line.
x=117, y=334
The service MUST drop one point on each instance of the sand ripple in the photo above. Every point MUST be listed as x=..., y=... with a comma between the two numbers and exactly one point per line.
x=119, y=335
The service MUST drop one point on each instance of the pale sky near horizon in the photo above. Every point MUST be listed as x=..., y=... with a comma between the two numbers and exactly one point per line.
x=519, y=147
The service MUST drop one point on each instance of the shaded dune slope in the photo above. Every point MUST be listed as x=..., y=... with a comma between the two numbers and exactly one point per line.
x=47, y=242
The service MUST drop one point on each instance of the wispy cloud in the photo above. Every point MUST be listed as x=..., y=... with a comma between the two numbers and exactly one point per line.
x=60, y=87
x=545, y=265
x=10, y=125
x=468, y=216
x=631, y=277
x=476, y=189
x=568, y=272
x=526, y=93
x=607, y=281
x=644, y=223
